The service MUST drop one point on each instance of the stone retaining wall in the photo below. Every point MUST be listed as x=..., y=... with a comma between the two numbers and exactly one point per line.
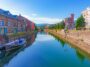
x=77, y=43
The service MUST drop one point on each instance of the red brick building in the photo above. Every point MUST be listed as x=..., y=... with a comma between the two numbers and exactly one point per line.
x=13, y=24
x=32, y=26
x=25, y=24
x=69, y=22
x=8, y=22
x=21, y=24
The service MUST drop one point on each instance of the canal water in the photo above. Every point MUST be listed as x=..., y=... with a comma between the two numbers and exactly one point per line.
x=46, y=51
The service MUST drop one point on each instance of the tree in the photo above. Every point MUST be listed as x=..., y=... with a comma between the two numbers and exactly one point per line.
x=62, y=25
x=80, y=23
x=36, y=28
x=59, y=25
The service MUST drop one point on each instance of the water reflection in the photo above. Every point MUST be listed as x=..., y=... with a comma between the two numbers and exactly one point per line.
x=59, y=40
x=49, y=53
x=80, y=54
x=19, y=43
x=45, y=53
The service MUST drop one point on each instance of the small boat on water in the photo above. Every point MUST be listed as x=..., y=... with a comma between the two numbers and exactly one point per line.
x=12, y=44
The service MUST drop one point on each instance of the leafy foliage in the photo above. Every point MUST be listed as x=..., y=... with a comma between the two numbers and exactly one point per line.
x=80, y=22
x=59, y=25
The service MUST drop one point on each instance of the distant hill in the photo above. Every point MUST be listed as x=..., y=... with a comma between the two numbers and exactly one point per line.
x=42, y=25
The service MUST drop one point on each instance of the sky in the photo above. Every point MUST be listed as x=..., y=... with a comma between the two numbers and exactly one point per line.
x=45, y=11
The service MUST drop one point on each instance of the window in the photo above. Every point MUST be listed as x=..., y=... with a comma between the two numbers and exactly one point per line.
x=9, y=23
x=1, y=23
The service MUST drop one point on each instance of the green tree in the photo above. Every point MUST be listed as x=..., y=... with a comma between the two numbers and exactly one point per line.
x=80, y=23
x=62, y=25
x=59, y=25
x=36, y=28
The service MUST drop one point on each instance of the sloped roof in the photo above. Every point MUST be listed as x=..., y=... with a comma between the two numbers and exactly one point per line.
x=7, y=14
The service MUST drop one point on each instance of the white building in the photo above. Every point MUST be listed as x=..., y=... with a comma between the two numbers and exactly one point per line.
x=86, y=15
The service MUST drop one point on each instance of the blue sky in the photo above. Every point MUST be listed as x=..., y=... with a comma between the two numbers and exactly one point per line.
x=45, y=11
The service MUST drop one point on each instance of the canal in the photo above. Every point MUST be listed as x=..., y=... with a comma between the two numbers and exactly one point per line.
x=45, y=50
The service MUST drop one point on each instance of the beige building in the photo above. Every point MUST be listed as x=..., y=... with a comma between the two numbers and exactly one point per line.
x=86, y=15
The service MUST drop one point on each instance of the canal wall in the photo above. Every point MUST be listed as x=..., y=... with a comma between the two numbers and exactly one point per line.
x=10, y=42
x=79, y=44
x=20, y=33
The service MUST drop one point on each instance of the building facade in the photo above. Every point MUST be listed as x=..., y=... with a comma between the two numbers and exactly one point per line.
x=32, y=26
x=21, y=24
x=29, y=25
x=10, y=23
x=69, y=22
x=25, y=24
x=86, y=15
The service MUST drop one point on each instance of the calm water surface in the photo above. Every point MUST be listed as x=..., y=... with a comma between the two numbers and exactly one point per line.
x=48, y=51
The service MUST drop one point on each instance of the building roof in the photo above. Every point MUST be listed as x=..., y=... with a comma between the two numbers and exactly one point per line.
x=7, y=14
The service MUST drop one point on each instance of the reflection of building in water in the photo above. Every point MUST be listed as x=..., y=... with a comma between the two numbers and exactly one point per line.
x=10, y=42
x=3, y=40
x=30, y=39
x=5, y=56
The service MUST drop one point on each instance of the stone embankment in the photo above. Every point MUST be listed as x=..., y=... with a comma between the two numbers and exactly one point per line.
x=74, y=39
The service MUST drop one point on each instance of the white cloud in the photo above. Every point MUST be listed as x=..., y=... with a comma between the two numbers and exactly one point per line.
x=14, y=12
x=33, y=17
x=40, y=20
x=34, y=14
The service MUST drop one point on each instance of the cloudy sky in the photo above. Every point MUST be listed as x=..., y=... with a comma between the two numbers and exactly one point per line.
x=45, y=11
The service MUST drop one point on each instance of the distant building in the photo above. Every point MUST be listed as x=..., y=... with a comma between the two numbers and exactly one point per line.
x=86, y=15
x=69, y=22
